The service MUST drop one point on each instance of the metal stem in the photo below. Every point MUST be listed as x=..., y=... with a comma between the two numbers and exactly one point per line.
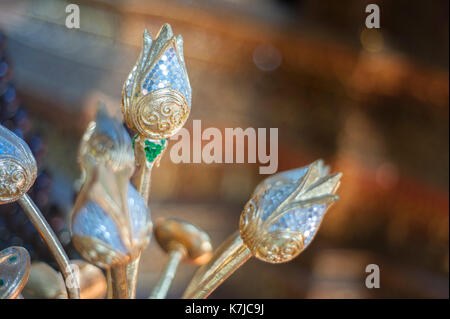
x=143, y=179
x=119, y=285
x=231, y=255
x=165, y=280
x=109, y=288
x=52, y=242
x=143, y=183
x=132, y=273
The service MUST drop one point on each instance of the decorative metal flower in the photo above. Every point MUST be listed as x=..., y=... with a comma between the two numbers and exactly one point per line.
x=111, y=222
x=286, y=210
x=17, y=174
x=17, y=167
x=105, y=240
x=156, y=97
x=106, y=142
x=276, y=225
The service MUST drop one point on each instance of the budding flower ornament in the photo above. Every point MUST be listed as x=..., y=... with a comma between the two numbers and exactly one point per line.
x=111, y=222
x=156, y=97
x=278, y=222
x=284, y=214
x=156, y=102
x=18, y=172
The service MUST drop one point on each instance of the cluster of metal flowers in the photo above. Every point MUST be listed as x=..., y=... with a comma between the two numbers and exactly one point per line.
x=111, y=222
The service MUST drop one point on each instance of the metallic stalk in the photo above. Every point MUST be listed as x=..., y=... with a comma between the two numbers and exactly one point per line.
x=165, y=280
x=52, y=242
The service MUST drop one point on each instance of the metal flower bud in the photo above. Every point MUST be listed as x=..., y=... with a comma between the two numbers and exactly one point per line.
x=156, y=97
x=17, y=174
x=106, y=142
x=111, y=222
x=17, y=167
x=286, y=210
x=105, y=240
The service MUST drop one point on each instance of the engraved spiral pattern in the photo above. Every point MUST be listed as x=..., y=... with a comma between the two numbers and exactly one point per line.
x=159, y=114
x=17, y=167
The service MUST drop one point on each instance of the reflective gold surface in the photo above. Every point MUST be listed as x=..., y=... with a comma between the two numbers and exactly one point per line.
x=182, y=241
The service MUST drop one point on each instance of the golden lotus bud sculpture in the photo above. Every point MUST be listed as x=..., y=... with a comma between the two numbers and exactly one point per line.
x=156, y=97
x=111, y=223
x=282, y=217
x=276, y=225
x=106, y=142
x=110, y=220
x=156, y=102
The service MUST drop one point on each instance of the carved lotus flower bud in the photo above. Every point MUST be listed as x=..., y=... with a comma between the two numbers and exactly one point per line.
x=156, y=97
x=110, y=222
x=286, y=210
x=105, y=239
x=17, y=167
x=105, y=142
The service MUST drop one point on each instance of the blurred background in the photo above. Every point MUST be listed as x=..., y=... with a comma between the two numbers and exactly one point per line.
x=374, y=103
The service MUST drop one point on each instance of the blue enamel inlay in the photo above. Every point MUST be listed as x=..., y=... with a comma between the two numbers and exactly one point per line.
x=167, y=72
x=305, y=221
x=92, y=221
x=139, y=214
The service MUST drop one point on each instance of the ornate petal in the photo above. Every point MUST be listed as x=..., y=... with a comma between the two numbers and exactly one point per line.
x=292, y=175
x=100, y=238
x=106, y=142
x=157, y=93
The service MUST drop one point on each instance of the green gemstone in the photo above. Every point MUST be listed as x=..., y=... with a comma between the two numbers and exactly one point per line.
x=152, y=149
x=12, y=258
x=2, y=282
